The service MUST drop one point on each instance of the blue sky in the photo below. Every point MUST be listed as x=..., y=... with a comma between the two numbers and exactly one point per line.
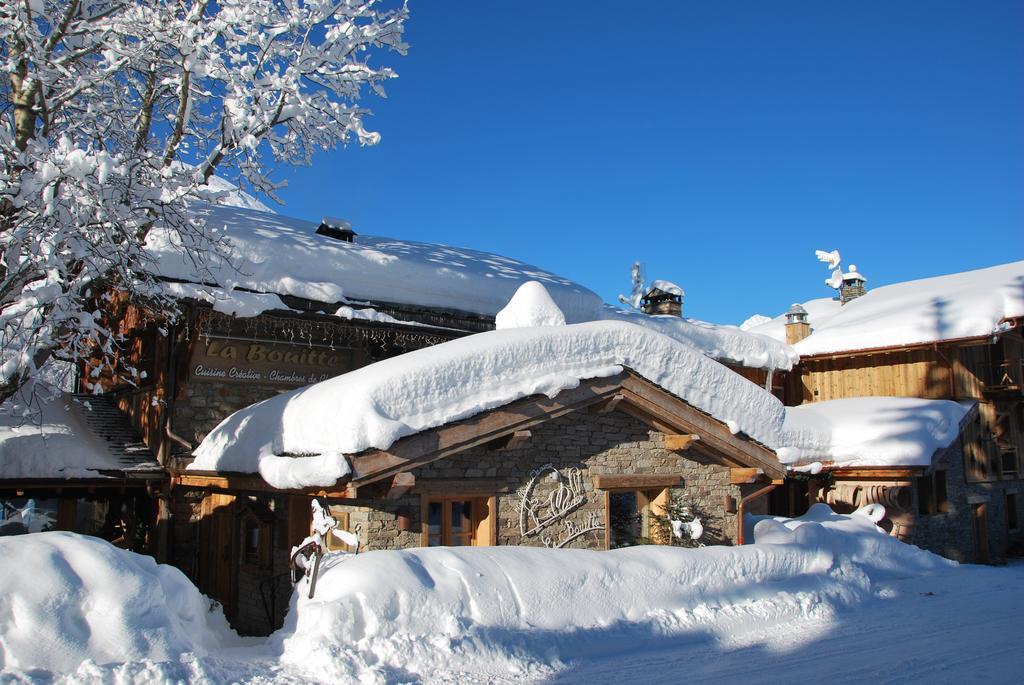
x=719, y=143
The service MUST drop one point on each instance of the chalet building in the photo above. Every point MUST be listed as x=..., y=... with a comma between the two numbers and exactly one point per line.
x=301, y=303
x=955, y=337
x=455, y=446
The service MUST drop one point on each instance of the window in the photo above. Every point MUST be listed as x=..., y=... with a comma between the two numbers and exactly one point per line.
x=28, y=515
x=251, y=541
x=333, y=543
x=1008, y=464
x=931, y=493
x=457, y=521
x=255, y=535
x=630, y=514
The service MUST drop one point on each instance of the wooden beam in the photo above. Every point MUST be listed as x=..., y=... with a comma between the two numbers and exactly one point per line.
x=745, y=476
x=715, y=436
x=463, y=486
x=679, y=443
x=606, y=406
x=886, y=473
x=400, y=484
x=89, y=485
x=512, y=441
x=636, y=482
x=248, y=482
x=438, y=443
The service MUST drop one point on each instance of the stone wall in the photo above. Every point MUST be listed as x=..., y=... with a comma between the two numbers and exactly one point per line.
x=579, y=445
x=949, y=533
x=205, y=404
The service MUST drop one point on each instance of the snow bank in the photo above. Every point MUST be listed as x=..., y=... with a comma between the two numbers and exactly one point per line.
x=54, y=442
x=521, y=610
x=66, y=598
x=374, y=406
x=725, y=343
x=961, y=305
x=284, y=256
x=853, y=538
x=870, y=431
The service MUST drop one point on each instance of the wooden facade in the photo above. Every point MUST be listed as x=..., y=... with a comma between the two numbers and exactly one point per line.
x=986, y=370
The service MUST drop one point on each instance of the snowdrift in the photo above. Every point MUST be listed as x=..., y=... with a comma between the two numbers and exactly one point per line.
x=526, y=610
x=67, y=598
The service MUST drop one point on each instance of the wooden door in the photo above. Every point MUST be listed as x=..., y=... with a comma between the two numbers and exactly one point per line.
x=218, y=542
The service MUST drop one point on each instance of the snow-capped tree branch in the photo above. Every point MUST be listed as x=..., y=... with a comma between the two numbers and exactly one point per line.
x=115, y=116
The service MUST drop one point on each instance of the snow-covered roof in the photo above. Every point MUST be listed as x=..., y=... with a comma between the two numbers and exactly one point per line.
x=962, y=305
x=279, y=255
x=727, y=344
x=69, y=437
x=374, y=406
x=870, y=431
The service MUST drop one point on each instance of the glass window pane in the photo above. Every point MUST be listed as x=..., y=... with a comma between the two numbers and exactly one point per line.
x=624, y=519
x=27, y=515
x=434, y=512
x=462, y=516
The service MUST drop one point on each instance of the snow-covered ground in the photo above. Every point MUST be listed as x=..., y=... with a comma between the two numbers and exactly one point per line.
x=824, y=597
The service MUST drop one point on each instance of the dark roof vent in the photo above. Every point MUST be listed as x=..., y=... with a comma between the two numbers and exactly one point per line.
x=339, y=229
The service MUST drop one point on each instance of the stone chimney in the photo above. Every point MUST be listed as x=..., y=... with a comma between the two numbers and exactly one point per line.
x=663, y=297
x=852, y=286
x=797, y=326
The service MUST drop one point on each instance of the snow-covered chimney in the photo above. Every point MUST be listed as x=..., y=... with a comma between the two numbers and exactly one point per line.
x=339, y=229
x=663, y=297
x=797, y=325
x=852, y=286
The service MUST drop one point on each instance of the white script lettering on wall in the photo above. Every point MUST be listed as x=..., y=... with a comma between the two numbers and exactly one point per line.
x=537, y=513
